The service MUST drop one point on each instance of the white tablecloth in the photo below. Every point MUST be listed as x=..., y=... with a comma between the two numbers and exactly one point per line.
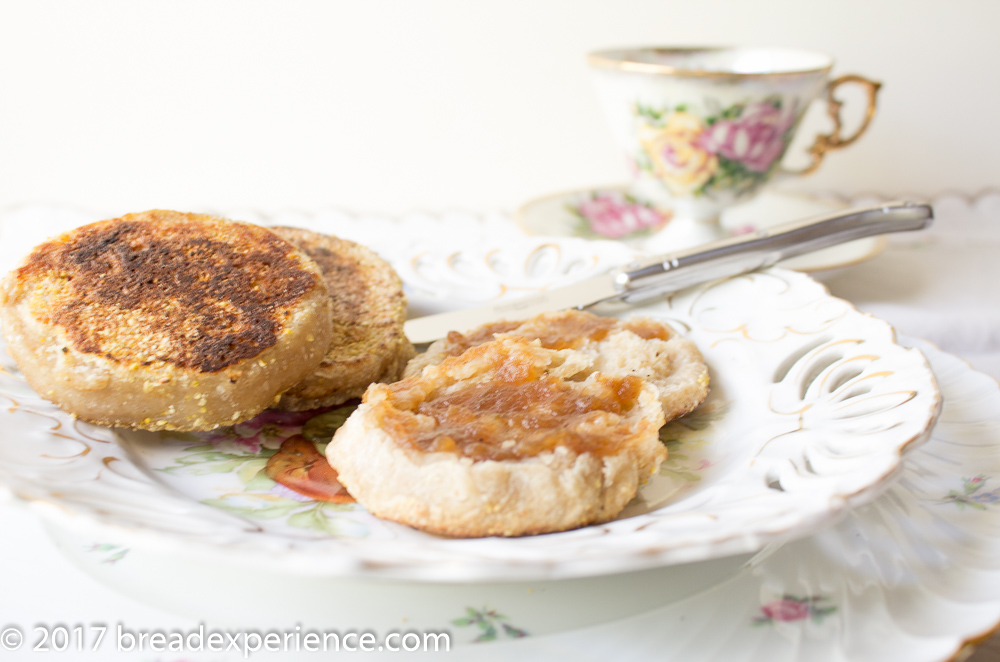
x=942, y=285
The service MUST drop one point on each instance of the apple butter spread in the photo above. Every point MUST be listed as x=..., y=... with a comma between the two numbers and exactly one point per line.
x=568, y=329
x=508, y=404
x=573, y=329
x=640, y=347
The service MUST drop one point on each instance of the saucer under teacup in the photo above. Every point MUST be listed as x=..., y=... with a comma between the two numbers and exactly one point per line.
x=616, y=213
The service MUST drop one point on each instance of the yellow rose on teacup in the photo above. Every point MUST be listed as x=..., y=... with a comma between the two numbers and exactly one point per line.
x=676, y=152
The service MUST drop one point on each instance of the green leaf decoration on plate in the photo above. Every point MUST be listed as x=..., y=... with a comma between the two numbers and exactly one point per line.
x=204, y=462
x=321, y=517
x=260, y=482
x=320, y=429
x=271, y=508
x=115, y=553
x=973, y=495
x=684, y=438
x=490, y=622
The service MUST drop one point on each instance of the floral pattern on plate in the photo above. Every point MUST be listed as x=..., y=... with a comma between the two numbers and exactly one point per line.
x=973, y=495
x=611, y=214
x=111, y=554
x=492, y=624
x=278, y=459
x=688, y=443
x=790, y=608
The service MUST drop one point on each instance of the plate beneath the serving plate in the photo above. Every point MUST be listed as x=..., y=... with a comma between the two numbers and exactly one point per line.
x=613, y=213
x=812, y=406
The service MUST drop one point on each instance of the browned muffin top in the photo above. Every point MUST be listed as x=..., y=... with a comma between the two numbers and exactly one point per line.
x=364, y=289
x=192, y=290
x=345, y=275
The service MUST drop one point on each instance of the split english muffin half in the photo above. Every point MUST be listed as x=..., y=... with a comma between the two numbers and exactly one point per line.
x=640, y=346
x=509, y=438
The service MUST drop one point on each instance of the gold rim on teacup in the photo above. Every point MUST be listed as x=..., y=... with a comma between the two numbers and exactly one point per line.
x=638, y=60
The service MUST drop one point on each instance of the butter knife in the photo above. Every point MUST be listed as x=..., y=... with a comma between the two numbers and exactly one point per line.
x=651, y=277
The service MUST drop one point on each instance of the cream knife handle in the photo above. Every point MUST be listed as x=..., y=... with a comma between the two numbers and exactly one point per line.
x=736, y=255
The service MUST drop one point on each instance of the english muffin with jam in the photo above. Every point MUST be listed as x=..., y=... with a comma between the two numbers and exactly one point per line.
x=507, y=439
x=640, y=346
x=163, y=320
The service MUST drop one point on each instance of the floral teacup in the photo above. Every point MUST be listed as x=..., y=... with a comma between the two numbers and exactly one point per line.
x=706, y=128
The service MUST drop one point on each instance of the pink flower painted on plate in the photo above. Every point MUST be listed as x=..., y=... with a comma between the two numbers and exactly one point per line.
x=615, y=215
x=756, y=139
x=791, y=608
x=266, y=430
x=786, y=610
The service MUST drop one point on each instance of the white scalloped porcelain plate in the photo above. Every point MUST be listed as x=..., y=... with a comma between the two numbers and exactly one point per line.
x=812, y=406
x=914, y=575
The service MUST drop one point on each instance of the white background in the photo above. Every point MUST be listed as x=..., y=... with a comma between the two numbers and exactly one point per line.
x=393, y=105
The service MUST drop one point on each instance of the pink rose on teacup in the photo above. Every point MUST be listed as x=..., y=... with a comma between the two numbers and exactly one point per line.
x=614, y=215
x=756, y=139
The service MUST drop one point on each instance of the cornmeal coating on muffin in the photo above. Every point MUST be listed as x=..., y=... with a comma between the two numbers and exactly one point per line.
x=638, y=346
x=163, y=320
x=508, y=439
x=369, y=309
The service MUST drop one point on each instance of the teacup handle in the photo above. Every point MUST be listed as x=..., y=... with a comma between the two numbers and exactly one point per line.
x=831, y=141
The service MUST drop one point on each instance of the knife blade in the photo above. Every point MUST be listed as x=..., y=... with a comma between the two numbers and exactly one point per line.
x=654, y=276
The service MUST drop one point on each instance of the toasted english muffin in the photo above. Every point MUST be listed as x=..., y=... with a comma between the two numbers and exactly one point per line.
x=369, y=309
x=639, y=346
x=507, y=439
x=165, y=321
